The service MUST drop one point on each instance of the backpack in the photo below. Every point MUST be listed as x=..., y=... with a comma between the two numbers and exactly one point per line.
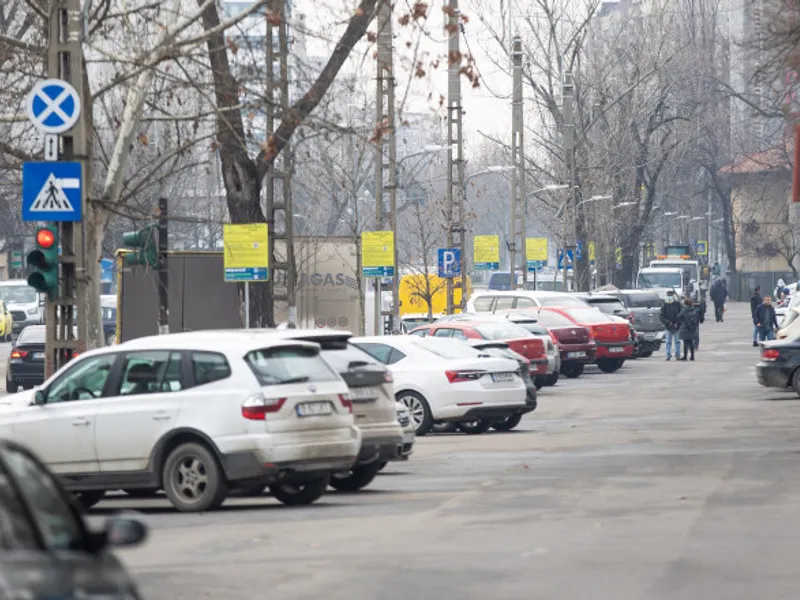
x=692, y=320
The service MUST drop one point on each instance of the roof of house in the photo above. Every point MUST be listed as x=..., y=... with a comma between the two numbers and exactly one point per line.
x=773, y=159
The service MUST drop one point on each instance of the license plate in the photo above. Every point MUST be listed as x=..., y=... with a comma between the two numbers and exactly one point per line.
x=649, y=336
x=365, y=393
x=38, y=356
x=576, y=354
x=312, y=409
x=502, y=377
x=616, y=349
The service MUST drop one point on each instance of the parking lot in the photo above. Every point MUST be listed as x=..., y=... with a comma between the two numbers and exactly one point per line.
x=663, y=480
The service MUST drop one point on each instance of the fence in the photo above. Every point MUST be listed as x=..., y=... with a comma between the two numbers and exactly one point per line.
x=741, y=285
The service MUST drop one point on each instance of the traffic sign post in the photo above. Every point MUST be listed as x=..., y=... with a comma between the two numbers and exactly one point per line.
x=246, y=257
x=449, y=262
x=701, y=247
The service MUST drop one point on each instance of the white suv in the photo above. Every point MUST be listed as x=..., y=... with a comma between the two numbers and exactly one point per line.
x=194, y=416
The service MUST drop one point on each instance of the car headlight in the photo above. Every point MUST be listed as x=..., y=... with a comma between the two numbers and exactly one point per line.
x=32, y=311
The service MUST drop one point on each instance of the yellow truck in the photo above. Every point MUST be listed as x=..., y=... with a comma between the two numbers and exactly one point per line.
x=416, y=294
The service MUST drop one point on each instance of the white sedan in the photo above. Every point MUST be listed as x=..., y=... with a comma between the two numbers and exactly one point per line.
x=447, y=381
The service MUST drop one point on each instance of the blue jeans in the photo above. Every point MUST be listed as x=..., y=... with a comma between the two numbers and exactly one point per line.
x=755, y=333
x=673, y=336
x=766, y=334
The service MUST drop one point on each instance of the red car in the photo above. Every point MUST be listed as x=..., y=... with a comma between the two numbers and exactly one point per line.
x=614, y=338
x=518, y=339
x=575, y=343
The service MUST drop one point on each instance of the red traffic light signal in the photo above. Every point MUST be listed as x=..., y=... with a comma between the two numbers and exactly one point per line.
x=45, y=238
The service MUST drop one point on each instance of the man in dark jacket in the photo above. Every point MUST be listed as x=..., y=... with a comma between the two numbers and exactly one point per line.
x=669, y=318
x=765, y=320
x=755, y=302
x=719, y=294
x=689, y=328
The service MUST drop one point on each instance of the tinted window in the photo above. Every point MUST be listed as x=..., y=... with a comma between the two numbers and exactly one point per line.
x=443, y=332
x=340, y=358
x=419, y=333
x=525, y=303
x=58, y=523
x=209, y=367
x=449, y=348
x=561, y=301
x=32, y=335
x=381, y=352
x=504, y=303
x=83, y=380
x=459, y=334
x=16, y=530
x=553, y=319
x=274, y=366
x=18, y=294
x=644, y=301
x=533, y=327
x=395, y=356
x=483, y=304
x=150, y=372
x=500, y=281
x=589, y=315
x=500, y=331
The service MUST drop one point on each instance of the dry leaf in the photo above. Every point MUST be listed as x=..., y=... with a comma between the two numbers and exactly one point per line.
x=273, y=18
x=404, y=20
x=420, y=10
x=143, y=139
x=371, y=37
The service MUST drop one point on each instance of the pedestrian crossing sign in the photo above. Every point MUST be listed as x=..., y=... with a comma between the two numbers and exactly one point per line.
x=51, y=191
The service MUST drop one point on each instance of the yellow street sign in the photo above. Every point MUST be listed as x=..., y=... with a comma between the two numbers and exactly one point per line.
x=536, y=249
x=591, y=252
x=377, y=254
x=486, y=254
x=246, y=254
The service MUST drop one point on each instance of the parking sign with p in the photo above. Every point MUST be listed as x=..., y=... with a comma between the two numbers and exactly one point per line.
x=449, y=262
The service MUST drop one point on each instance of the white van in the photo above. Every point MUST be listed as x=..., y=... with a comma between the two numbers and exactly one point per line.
x=495, y=300
x=24, y=303
x=661, y=280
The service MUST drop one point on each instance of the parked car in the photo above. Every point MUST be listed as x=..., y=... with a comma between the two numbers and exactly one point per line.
x=502, y=350
x=644, y=309
x=125, y=417
x=445, y=380
x=518, y=339
x=614, y=339
x=575, y=342
x=616, y=310
x=372, y=391
x=779, y=366
x=25, y=366
x=499, y=301
x=48, y=549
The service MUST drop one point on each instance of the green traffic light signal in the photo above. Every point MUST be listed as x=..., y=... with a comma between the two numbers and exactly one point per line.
x=145, y=249
x=44, y=259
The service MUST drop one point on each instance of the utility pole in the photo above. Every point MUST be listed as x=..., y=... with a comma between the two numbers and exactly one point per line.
x=386, y=159
x=281, y=285
x=518, y=207
x=65, y=61
x=163, y=268
x=456, y=189
x=571, y=214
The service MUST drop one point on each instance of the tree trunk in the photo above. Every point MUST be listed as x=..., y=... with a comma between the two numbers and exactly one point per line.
x=95, y=222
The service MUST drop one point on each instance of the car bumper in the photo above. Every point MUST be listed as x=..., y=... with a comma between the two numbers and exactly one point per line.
x=540, y=366
x=409, y=437
x=649, y=341
x=380, y=443
x=453, y=406
x=770, y=375
x=614, y=349
x=297, y=455
x=25, y=373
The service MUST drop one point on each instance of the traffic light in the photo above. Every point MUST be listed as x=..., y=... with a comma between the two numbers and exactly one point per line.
x=44, y=260
x=145, y=248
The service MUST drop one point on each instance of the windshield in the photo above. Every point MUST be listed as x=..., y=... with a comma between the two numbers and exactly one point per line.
x=588, y=315
x=609, y=307
x=564, y=300
x=274, y=366
x=660, y=280
x=32, y=335
x=449, y=348
x=650, y=300
x=554, y=320
x=17, y=294
x=533, y=327
x=500, y=331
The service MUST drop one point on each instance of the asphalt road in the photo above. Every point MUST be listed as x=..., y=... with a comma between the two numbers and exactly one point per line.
x=663, y=481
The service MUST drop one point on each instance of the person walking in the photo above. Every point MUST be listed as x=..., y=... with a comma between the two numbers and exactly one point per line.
x=719, y=294
x=689, y=331
x=765, y=320
x=755, y=302
x=669, y=319
x=700, y=308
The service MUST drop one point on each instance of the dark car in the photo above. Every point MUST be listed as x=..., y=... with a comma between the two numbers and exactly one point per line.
x=644, y=309
x=575, y=342
x=110, y=324
x=779, y=366
x=25, y=368
x=48, y=550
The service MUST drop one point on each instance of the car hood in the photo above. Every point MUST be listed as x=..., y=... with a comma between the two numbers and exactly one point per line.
x=18, y=400
x=22, y=306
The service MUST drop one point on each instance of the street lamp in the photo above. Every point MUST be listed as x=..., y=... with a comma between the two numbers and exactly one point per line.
x=670, y=214
x=591, y=199
x=624, y=204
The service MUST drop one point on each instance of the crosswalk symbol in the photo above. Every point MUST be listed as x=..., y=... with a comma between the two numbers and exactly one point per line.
x=51, y=198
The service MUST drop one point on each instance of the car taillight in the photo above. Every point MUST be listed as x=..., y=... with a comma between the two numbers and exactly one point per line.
x=255, y=408
x=19, y=353
x=770, y=354
x=459, y=376
x=347, y=402
x=387, y=377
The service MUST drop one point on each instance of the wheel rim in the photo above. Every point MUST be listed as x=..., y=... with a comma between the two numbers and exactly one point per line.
x=415, y=407
x=191, y=479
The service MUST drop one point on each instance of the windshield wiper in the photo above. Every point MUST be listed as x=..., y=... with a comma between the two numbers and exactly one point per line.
x=300, y=379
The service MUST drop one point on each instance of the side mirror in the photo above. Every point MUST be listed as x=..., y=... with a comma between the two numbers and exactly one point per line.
x=121, y=532
x=39, y=397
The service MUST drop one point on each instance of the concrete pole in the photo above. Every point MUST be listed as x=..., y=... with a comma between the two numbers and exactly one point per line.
x=571, y=211
x=518, y=208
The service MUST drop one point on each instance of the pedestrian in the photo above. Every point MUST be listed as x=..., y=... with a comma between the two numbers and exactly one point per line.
x=780, y=290
x=689, y=328
x=700, y=307
x=715, y=270
x=669, y=318
x=755, y=302
x=719, y=294
x=765, y=320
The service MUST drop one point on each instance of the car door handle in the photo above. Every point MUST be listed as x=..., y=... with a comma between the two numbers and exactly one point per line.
x=81, y=422
x=162, y=416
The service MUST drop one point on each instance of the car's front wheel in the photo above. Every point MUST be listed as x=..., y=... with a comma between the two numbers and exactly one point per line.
x=507, y=424
x=11, y=386
x=552, y=379
x=443, y=427
x=610, y=365
x=646, y=354
x=418, y=408
x=475, y=427
x=572, y=370
x=193, y=479
x=299, y=494
x=356, y=478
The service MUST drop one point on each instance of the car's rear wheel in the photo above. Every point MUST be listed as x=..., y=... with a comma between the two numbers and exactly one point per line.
x=475, y=427
x=299, y=494
x=356, y=478
x=507, y=424
x=418, y=408
x=11, y=386
x=610, y=365
x=646, y=354
x=443, y=428
x=193, y=479
x=796, y=381
x=552, y=379
x=89, y=498
x=572, y=370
